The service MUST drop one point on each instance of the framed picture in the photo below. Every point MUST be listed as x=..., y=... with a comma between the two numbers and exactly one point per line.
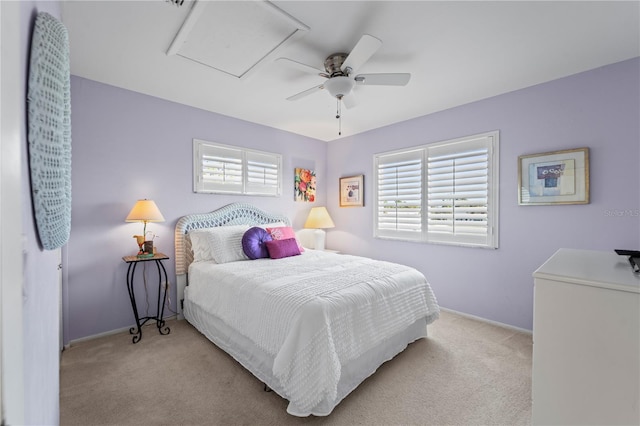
x=559, y=177
x=352, y=191
x=304, y=185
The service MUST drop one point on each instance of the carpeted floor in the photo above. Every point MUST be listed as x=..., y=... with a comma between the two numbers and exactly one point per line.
x=466, y=373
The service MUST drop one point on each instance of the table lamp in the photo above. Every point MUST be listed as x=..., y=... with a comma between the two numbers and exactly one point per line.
x=319, y=220
x=144, y=211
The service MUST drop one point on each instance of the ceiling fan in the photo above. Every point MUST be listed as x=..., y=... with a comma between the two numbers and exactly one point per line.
x=340, y=69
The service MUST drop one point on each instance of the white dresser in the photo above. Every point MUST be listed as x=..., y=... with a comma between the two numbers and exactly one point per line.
x=586, y=340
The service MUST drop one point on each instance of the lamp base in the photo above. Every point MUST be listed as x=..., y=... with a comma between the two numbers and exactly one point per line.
x=145, y=255
x=319, y=235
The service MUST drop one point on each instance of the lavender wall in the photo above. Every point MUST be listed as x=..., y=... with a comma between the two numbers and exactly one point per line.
x=128, y=146
x=598, y=109
x=41, y=286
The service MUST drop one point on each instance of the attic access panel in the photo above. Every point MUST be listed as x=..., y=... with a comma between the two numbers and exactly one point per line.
x=235, y=37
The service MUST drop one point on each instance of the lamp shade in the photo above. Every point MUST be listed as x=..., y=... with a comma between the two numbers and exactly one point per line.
x=145, y=211
x=319, y=219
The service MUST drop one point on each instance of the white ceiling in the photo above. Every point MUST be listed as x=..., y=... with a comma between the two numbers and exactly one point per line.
x=457, y=52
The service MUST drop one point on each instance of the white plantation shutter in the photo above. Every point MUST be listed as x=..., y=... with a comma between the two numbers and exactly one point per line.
x=226, y=169
x=458, y=192
x=263, y=173
x=460, y=187
x=399, y=195
x=220, y=169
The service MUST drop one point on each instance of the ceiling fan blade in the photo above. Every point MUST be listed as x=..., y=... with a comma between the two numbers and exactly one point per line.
x=350, y=100
x=302, y=67
x=383, y=79
x=305, y=93
x=362, y=51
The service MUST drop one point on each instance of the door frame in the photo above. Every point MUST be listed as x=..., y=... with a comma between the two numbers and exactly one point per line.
x=12, y=113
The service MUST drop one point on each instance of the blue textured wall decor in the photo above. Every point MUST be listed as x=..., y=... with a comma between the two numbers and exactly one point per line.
x=49, y=136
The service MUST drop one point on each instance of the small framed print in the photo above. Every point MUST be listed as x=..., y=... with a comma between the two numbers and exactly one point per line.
x=352, y=191
x=559, y=177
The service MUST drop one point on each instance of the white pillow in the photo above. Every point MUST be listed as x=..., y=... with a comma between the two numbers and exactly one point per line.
x=225, y=243
x=200, y=245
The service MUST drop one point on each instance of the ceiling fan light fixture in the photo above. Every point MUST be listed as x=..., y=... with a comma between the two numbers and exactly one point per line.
x=339, y=86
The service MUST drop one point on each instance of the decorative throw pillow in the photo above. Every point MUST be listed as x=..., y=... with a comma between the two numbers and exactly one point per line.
x=282, y=248
x=272, y=225
x=283, y=233
x=253, y=243
x=226, y=243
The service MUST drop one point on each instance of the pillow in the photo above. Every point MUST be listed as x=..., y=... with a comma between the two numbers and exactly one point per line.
x=283, y=233
x=282, y=248
x=272, y=225
x=253, y=243
x=225, y=243
x=200, y=245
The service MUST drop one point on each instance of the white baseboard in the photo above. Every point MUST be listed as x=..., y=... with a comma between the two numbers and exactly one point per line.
x=462, y=314
x=496, y=323
x=109, y=333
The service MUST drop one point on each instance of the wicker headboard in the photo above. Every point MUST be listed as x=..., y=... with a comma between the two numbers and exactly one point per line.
x=231, y=214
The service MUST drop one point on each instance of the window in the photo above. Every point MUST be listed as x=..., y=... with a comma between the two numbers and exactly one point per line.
x=226, y=169
x=446, y=192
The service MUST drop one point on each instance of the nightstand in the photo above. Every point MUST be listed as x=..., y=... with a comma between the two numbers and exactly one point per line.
x=133, y=262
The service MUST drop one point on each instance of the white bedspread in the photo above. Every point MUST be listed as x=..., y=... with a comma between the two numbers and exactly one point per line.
x=313, y=313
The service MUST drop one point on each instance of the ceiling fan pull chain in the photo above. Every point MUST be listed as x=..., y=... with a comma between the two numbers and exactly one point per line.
x=339, y=115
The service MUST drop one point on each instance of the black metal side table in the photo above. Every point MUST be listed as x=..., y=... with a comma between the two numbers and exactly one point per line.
x=162, y=296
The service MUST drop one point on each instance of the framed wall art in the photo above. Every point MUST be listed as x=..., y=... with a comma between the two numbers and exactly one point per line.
x=352, y=191
x=559, y=177
x=304, y=185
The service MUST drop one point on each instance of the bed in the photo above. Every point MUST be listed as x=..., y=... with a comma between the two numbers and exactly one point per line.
x=312, y=326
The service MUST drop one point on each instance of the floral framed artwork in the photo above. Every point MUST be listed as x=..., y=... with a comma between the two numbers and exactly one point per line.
x=558, y=177
x=304, y=185
x=352, y=191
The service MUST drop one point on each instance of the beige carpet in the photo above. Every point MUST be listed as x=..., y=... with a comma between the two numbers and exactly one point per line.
x=466, y=373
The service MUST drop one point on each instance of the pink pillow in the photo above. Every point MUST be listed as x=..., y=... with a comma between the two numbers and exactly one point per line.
x=284, y=233
x=282, y=248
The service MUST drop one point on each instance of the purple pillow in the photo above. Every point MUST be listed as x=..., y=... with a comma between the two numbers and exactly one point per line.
x=282, y=248
x=253, y=243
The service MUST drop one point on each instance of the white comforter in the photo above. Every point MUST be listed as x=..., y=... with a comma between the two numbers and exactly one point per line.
x=313, y=313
